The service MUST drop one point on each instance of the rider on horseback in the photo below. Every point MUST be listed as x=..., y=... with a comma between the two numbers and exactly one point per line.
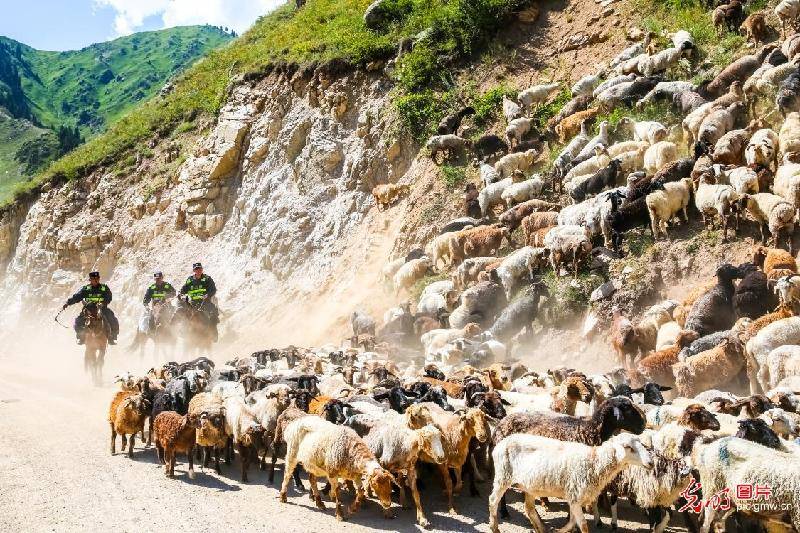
x=99, y=294
x=159, y=292
x=199, y=288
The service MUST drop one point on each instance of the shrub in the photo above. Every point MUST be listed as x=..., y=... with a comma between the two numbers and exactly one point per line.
x=453, y=176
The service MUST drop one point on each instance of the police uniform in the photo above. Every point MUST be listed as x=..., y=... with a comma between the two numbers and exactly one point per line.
x=96, y=294
x=196, y=288
x=158, y=292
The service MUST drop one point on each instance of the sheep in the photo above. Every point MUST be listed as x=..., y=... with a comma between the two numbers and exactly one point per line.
x=126, y=416
x=450, y=123
x=480, y=303
x=628, y=339
x=446, y=144
x=772, y=212
x=335, y=452
x=787, y=98
x=665, y=90
x=692, y=122
x=519, y=263
x=709, y=369
x=211, y=436
x=731, y=461
x=738, y=71
x=659, y=155
x=517, y=129
x=457, y=430
x=521, y=161
x=468, y=270
x=660, y=61
x=755, y=27
x=511, y=109
x=563, y=162
x=663, y=205
x=781, y=362
x=565, y=242
x=538, y=94
x=667, y=335
x=513, y=217
x=489, y=145
x=650, y=131
x=578, y=473
x=789, y=134
x=657, y=366
x=437, y=338
x=457, y=224
x=774, y=261
x=744, y=180
x=573, y=124
x=523, y=191
x=438, y=249
x=410, y=273
x=787, y=289
x=631, y=52
x=579, y=103
x=587, y=84
x=728, y=16
x=586, y=168
x=175, y=433
x=601, y=139
x=244, y=429
x=537, y=221
x=483, y=241
x=779, y=333
x=397, y=448
x=386, y=194
x=518, y=314
x=716, y=200
x=598, y=181
x=714, y=310
x=687, y=101
x=719, y=122
x=787, y=12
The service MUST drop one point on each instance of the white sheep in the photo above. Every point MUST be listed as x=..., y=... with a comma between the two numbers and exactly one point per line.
x=411, y=272
x=609, y=98
x=712, y=199
x=492, y=195
x=587, y=84
x=565, y=157
x=667, y=334
x=664, y=204
x=588, y=167
x=389, y=269
x=781, y=362
x=631, y=51
x=488, y=174
x=787, y=12
x=521, y=161
x=602, y=138
x=545, y=467
x=511, y=109
x=620, y=148
x=446, y=144
x=789, y=134
x=574, y=215
x=567, y=242
x=744, y=180
x=616, y=80
x=538, y=94
x=788, y=290
x=660, y=62
x=659, y=155
x=691, y=123
x=523, y=191
x=518, y=264
x=716, y=124
x=682, y=39
x=432, y=304
x=441, y=287
x=771, y=211
x=439, y=249
x=517, y=129
x=631, y=161
x=645, y=130
x=758, y=348
x=787, y=183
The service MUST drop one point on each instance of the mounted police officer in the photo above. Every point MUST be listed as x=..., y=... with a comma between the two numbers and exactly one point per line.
x=99, y=294
x=200, y=288
x=158, y=293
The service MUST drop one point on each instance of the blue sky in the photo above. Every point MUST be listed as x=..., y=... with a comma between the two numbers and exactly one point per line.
x=72, y=24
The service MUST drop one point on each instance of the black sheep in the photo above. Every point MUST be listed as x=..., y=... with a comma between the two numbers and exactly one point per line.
x=519, y=314
x=788, y=96
x=181, y=393
x=461, y=223
x=637, y=90
x=650, y=391
x=675, y=171
x=757, y=430
x=597, y=182
x=628, y=216
x=753, y=297
x=714, y=310
x=449, y=124
x=489, y=145
x=776, y=57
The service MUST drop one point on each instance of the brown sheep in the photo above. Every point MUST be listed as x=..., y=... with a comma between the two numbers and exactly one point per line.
x=475, y=242
x=711, y=369
x=175, y=433
x=211, y=435
x=537, y=221
x=755, y=27
x=388, y=193
x=126, y=416
x=454, y=390
x=783, y=311
x=571, y=126
x=657, y=367
x=513, y=217
x=537, y=237
x=698, y=418
x=770, y=259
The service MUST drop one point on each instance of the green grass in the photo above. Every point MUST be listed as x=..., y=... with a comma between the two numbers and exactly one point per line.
x=453, y=176
x=569, y=296
x=13, y=134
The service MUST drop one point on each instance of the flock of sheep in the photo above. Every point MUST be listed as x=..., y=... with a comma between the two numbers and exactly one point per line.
x=441, y=390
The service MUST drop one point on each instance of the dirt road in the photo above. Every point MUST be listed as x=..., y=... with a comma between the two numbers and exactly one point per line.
x=56, y=473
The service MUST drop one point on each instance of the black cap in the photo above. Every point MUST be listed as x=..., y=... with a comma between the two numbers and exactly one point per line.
x=158, y=274
x=94, y=274
x=197, y=265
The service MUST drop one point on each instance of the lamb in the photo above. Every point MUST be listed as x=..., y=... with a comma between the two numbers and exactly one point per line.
x=457, y=430
x=787, y=12
x=789, y=134
x=538, y=94
x=489, y=145
x=731, y=461
x=410, y=273
x=517, y=129
x=126, y=416
x=537, y=221
x=565, y=242
x=175, y=433
x=598, y=181
x=523, y=191
x=665, y=204
x=386, y=194
x=397, y=449
x=446, y=144
x=710, y=369
x=659, y=155
x=719, y=200
x=555, y=464
x=335, y=452
x=755, y=27
x=779, y=333
x=773, y=212
x=521, y=161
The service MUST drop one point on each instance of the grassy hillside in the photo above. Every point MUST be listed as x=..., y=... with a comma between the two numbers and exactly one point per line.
x=85, y=89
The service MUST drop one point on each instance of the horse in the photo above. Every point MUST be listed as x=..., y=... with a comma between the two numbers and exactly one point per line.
x=158, y=330
x=197, y=330
x=95, y=341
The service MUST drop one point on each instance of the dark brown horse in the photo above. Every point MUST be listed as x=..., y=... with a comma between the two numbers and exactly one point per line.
x=96, y=342
x=196, y=328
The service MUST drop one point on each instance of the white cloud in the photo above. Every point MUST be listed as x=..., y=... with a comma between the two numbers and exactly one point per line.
x=235, y=14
